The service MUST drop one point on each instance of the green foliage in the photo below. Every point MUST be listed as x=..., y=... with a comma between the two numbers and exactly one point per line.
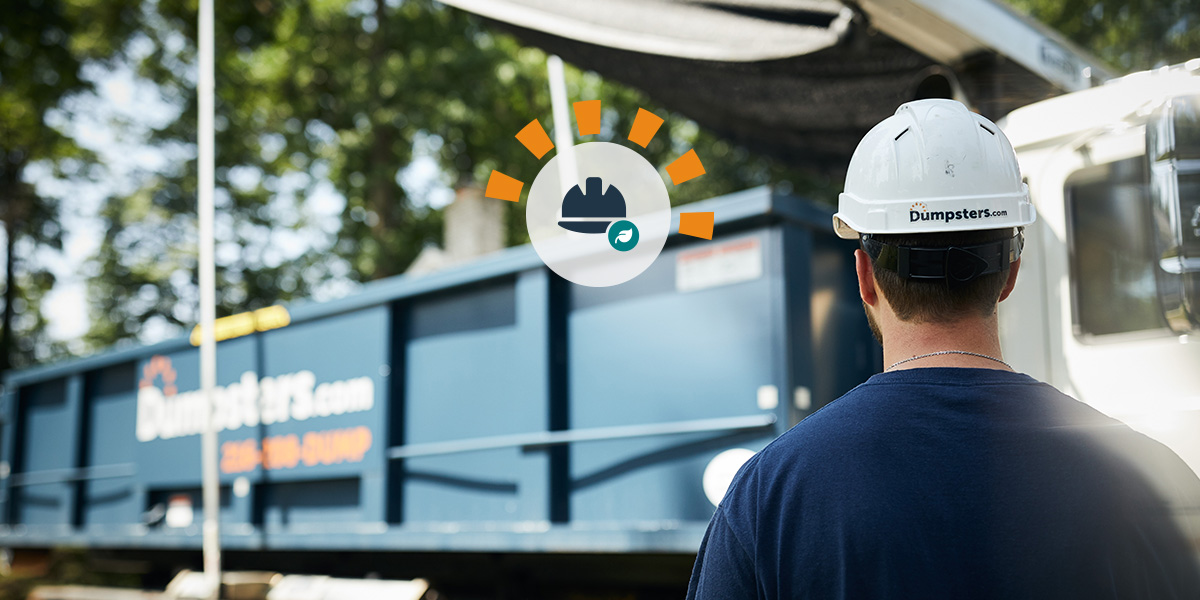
x=308, y=94
x=44, y=45
x=346, y=93
x=333, y=99
x=1132, y=35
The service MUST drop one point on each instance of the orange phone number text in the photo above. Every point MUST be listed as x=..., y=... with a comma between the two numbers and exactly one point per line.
x=331, y=447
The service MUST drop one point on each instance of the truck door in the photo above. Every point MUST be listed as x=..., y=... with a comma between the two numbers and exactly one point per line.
x=1107, y=340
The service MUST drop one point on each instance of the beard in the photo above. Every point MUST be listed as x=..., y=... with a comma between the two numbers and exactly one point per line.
x=873, y=324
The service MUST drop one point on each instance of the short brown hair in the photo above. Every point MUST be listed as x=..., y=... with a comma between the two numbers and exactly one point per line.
x=934, y=301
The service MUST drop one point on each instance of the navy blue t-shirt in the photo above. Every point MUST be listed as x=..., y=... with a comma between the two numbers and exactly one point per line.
x=952, y=483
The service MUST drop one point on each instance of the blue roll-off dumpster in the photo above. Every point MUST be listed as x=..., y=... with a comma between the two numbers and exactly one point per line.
x=491, y=408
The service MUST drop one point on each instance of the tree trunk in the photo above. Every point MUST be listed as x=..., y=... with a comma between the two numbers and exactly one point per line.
x=13, y=209
x=10, y=288
x=381, y=198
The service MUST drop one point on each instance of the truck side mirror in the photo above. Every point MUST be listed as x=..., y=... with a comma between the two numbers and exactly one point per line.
x=1173, y=152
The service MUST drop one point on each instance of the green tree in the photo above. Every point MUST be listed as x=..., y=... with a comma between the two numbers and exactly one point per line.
x=44, y=48
x=333, y=98
x=1132, y=35
x=340, y=94
x=309, y=94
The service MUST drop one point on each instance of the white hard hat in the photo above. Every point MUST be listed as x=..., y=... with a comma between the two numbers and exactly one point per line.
x=933, y=166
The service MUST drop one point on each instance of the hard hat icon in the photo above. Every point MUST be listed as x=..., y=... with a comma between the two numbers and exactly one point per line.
x=591, y=211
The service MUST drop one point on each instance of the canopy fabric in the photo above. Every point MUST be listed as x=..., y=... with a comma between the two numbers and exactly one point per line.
x=724, y=30
x=799, y=80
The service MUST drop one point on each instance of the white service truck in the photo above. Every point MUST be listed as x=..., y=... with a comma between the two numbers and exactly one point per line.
x=1107, y=306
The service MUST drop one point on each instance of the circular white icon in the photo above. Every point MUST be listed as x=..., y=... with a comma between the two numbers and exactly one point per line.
x=569, y=223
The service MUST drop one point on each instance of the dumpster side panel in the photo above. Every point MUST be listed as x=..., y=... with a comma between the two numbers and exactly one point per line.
x=476, y=368
x=645, y=353
x=44, y=414
x=492, y=408
x=844, y=353
x=325, y=455
x=111, y=400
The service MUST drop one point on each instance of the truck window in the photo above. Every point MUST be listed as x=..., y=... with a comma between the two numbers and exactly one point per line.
x=1108, y=229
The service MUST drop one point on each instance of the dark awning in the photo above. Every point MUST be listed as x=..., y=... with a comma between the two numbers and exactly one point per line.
x=801, y=80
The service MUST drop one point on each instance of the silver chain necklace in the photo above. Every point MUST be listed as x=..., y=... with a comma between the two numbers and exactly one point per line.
x=900, y=362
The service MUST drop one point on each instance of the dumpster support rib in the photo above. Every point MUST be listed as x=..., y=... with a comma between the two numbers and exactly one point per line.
x=545, y=439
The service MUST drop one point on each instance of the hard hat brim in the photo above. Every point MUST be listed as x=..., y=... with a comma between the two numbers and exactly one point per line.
x=843, y=230
x=585, y=226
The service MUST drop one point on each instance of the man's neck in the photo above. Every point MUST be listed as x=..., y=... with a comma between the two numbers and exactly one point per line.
x=902, y=340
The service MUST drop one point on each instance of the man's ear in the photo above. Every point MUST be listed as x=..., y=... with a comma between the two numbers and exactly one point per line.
x=866, y=278
x=1012, y=279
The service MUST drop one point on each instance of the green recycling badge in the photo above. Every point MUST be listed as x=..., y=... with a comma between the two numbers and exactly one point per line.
x=623, y=235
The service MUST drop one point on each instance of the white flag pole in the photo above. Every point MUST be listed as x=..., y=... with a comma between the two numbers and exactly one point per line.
x=208, y=346
x=564, y=140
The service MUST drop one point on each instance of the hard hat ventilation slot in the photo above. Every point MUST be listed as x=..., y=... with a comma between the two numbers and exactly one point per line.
x=986, y=129
x=897, y=138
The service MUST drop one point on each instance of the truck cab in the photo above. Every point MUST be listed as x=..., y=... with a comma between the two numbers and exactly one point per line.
x=1106, y=305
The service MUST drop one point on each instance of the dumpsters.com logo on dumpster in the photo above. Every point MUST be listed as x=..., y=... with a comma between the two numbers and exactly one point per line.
x=162, y=413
